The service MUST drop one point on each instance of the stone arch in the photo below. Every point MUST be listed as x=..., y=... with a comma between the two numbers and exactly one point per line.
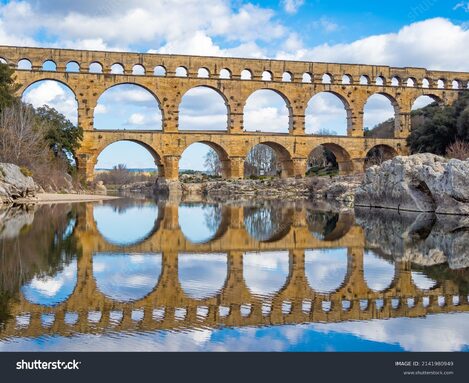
x=347, y=79
x=132, y=84
x=342, y=156
x=72, y=66
x=67, y=85
x=396, y=113
x=395, y=81
x=327, y=78
x=283, y=157
x=225, y=73
x=425, y=83
x=246, y=74
x=219, y=150
x=199, y=108
x=365, y=80
x=24, y=64
x=329, y=226
x=307, y=77
x=3, y=60
x=138, y=70
x=156, y=156
x=267, y=75
x=95, y=67
x=287, y=104
x=378, y=154
x=159, y=70
x=309, y=116
x=117, y=68
x=203, y=73
x=49, y=65
x=380, y=81
x=411, y=82
x=258, y=226
x=287, y=77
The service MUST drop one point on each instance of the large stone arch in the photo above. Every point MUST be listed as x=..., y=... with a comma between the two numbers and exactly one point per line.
x=378, y=154
x=87, y=161
x=276, y=91
x=183, y=92
x=25, y=86
x=103, y=90
x=343, y=157
x=397, y=107
x=345, y=102
x=283, y=154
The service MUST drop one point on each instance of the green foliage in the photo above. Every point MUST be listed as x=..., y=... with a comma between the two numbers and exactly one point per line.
x=7, y=86
x=440, y=127
x=26, y=172
x=60, y=134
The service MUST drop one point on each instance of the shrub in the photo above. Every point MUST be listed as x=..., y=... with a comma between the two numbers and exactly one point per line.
x=26, y=172
x=458, y=149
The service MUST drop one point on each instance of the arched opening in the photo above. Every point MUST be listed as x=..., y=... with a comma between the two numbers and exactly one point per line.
x=24, y=64
x=117, y=68
x=346, y=79
x=266, y=76
x=49, y=66
x=380, y=116
x=364, y=80
x=51, y=290
x=268, y=223
x=199, y=222
x=181, y=71
x=127, y=107
x=326, y=114
x=72, y=66
x=378, y=272
x=327, y=78
x=455, y=84
x=307, y=78
x=265, y=273
x=378, y=154
x=328, y=225
x=3, y=61
x=411, y=82
x=225, y=74
x=329, y=159
x=425, y=83
x=268, y=159
x=123, y=163
x=115, y=220
x=286, y=77
x=95, y=67
x=422, y=281
x=203, y=108
x=380, y=81
x=326, y=269
x=202, y=276
x=53, y=94
x=203, y=73
x=421, y=107
x=246, y=74
x=395, y=81
x=441, y=84
x=203, y=160
x=138, y=70
x=126, y=277
x=267, y=111
x=159, y=71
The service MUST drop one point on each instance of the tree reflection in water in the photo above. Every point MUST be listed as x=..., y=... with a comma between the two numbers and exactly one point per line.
x=266, y=222
x=321, y=224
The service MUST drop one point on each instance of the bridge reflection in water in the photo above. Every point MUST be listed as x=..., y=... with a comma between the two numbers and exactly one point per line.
x=250, y=266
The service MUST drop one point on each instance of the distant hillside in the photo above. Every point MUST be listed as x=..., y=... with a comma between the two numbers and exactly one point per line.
x=386, y=128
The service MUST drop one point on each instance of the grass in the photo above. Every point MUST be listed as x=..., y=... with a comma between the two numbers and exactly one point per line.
x=26, y=172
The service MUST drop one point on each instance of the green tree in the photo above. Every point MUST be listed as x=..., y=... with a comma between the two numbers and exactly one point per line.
x=60, y=134
x=8, y=87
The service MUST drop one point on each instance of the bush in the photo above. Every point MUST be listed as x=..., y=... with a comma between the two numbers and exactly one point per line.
x=458, y=149
x=26, y=172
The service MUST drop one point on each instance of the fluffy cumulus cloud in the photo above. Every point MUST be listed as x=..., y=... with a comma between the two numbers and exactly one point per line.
x=292, y=6
x=435, y=43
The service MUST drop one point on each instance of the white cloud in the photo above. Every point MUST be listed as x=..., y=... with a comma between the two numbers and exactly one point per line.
x=136, y=119
x=292, y=6
x=435, y=44
x=325, y=25
x=462, y=5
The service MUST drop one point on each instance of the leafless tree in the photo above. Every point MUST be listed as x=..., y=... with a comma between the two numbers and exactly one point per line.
x=261, y=160
x=212, y=162
x=458, y=149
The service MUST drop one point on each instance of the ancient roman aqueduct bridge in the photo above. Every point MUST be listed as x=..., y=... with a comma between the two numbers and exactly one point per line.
x=169, y=77
x=168, y=306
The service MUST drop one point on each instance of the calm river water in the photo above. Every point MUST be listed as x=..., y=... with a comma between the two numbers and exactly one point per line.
x=137, y=274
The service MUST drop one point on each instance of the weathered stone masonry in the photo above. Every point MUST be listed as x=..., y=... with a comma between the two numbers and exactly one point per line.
x=297, y=82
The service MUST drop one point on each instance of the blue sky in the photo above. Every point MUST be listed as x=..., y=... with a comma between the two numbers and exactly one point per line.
x=424, y=33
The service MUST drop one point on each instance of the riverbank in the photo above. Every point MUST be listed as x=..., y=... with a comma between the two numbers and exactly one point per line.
x=44, y=198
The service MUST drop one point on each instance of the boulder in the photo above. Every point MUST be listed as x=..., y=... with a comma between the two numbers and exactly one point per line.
x=421, y=182
x=100, y=188
x=14, y=184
